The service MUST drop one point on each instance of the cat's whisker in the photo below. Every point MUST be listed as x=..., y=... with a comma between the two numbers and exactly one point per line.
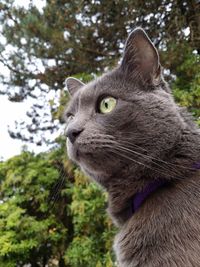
x=134, y=145
x=127, y=145
x=133, y=138
x=135, y=152
x=114, y=150
x=163, y=169
x=140, y=163
x=157, y=159
x=117, y=149
x=167, y=166
x=57, y=189
x=151, y=161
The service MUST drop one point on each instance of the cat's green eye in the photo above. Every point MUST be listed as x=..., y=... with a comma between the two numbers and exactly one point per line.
x=107, y=104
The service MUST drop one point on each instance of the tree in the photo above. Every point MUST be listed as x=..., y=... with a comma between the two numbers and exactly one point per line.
x=74, y=37
x=30, y=231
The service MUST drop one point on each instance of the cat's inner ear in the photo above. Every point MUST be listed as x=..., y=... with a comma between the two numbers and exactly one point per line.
x=141, y=57
x=73, y=85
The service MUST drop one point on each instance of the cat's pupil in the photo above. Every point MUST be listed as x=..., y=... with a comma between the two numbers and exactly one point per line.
x=107, y=104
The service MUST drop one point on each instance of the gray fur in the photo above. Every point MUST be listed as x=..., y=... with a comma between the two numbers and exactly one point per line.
x=146, y=137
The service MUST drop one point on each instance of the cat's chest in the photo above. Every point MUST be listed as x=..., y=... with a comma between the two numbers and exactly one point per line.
x=178, y=246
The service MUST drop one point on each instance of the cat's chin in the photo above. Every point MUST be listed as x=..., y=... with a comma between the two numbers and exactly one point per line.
x=92, y=168
x=99, y=176
x=101, y=169
x=73, y=152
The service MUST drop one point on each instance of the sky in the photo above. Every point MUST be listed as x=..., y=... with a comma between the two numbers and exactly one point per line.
x=39, y=3
x=8, y=113
x=11, y=112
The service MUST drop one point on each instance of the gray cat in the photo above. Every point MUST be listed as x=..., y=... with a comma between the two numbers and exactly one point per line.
x=126, y=132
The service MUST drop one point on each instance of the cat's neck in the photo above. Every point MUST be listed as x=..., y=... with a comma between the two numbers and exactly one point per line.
x=177, y=164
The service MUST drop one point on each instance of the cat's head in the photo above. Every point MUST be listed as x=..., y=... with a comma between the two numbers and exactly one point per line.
x=124, y=118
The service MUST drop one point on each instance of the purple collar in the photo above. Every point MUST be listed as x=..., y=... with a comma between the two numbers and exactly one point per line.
x=140, y=197
x=196, y=165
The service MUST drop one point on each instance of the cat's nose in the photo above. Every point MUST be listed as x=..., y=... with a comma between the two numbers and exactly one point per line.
x=73, y=133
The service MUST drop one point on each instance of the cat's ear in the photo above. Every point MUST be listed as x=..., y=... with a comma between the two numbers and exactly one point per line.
x=73, y=85
x=141, y=57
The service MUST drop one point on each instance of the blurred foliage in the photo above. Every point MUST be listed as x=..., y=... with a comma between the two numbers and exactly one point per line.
x=92, y=228
x=30, y=231
x=186, y=87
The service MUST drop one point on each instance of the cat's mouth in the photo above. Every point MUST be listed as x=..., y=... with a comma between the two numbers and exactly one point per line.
x=77, y=152
x=73, y=152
